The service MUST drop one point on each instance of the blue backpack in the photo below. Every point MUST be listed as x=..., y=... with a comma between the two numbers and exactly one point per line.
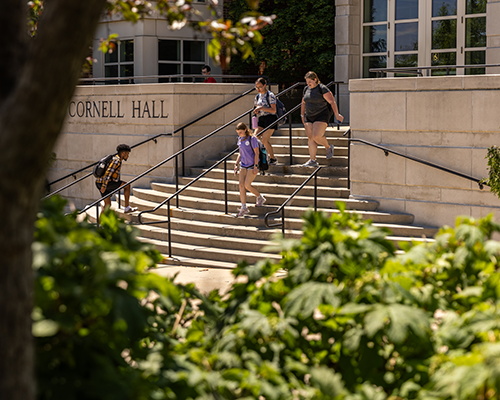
x=280, y=108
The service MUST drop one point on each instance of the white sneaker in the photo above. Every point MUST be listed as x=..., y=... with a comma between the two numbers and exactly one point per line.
x=243, y=211
x=311, y=163
x=260, y=201
x=329, y=152
x=129, y=209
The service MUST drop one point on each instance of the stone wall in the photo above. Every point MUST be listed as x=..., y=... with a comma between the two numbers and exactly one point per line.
x=101, y=117
x=450, y=121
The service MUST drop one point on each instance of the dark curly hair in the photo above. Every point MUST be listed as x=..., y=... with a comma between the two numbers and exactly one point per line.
x=123, y=147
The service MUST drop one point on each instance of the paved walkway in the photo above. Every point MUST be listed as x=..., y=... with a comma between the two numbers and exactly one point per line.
x=205, y=279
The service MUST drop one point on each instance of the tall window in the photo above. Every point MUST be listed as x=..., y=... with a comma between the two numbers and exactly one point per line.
x=374, y=36
x=120, y=63
x=180, y=57
x=408, y=33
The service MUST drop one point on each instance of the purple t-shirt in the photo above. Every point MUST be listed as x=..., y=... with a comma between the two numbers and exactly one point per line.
x=247, y=154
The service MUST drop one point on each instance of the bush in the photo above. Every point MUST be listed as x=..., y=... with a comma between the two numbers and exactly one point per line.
x=341, y=316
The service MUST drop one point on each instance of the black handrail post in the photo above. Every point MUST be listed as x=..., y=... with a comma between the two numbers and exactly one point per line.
x=182, y=146
x=283, y=221
x=316, y=192
x=177, y=180
x=119, y=199
x=225, y=186
x=290, y=136
x=349, y=161
x=337, y=92
x=169, y=230
x=97, y=215
x=250, y=120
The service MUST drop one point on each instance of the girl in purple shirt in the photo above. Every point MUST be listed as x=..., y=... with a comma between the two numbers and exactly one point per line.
x=247, y=165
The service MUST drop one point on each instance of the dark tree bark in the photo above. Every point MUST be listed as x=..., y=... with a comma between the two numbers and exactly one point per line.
x=37, y=81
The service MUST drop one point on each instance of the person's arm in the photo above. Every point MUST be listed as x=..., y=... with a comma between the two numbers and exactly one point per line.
x=330, y=99
x=237, y=164
x=302, y=109
x=256, y=159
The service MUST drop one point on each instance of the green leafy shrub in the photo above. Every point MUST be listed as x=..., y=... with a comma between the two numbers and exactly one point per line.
x=98, y=311
x=341, y=316
x=493, y=179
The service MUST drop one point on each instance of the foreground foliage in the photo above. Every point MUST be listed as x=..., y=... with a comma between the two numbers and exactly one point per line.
x=350, y=319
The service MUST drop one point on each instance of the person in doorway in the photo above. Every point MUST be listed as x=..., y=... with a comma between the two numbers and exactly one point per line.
x=247, y=166
x=265, y=109
x=318, y=105
x=206, y=72
x=110, y=181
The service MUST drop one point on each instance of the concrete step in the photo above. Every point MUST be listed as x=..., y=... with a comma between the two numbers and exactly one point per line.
x=302, y=141
x=213, y=211
x=208, y=252
x=273, y=186
x=291, y=174
x=162, y=191
x=225, y=231
x=300, y=131
x=297, y=160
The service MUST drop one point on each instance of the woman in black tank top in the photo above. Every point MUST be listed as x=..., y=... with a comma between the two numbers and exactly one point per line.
x=316, y=109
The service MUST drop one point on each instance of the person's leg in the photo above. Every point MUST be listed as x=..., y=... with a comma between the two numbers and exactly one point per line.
x=250, y=176
x=311, y=144
x=126, y=193
x=243, y=191
x=265, y=141
x=318, y=132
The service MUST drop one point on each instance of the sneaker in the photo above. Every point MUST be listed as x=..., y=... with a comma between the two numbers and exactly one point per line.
x=311, y=163
x=260, y=201
x=273, y=161
x=129, y=209
x=242, y=211
x=329, y=152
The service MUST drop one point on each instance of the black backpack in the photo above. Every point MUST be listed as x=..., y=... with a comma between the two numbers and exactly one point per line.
x=280, y=108
x=101, y=167
x=263, y=157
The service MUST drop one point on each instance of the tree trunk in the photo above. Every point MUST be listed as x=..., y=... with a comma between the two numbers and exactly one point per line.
x=37, y=81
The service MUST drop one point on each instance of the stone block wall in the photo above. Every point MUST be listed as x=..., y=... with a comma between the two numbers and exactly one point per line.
x=450, y=121
x=101, y=117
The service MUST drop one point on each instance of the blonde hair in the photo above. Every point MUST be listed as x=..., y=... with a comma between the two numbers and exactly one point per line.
x=312, y=75
x=243, y=127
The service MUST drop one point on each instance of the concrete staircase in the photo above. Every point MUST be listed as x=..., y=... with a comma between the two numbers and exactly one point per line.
x=204, y=236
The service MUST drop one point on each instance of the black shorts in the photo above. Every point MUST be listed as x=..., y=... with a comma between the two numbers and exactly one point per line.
x=323, y=116
x=267, y=120
x=111, y=186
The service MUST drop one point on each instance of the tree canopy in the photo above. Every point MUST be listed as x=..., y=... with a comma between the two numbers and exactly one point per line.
x=300, y=40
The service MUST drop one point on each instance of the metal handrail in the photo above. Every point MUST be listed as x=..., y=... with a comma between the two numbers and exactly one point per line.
x=419, y=160
x=131, y=79
x=154, y=138
x=182, y=151
x=223, y=160
x=418, y=70
x=282, y=207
